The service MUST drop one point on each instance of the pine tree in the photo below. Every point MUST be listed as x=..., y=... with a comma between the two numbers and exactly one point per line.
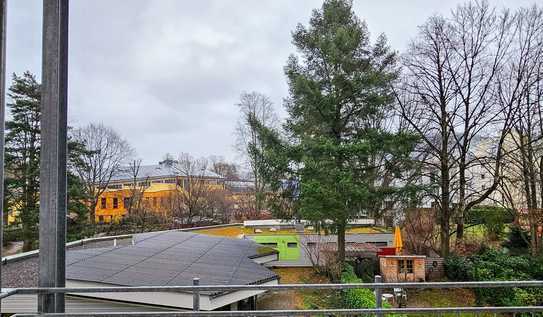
x=23, y=163
x=336, y=148
x=22, y=152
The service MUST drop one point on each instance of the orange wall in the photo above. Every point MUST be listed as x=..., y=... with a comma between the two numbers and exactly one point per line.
x=156, y=196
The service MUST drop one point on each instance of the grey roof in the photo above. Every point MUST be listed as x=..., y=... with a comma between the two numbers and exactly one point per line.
x=157, y=171
x=170, y=258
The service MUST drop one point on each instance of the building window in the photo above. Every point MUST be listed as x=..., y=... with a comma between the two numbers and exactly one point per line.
x=100, y=219
x=270, y=244
x=103, y=203
x=115, y=203
x=155, y=202
x=115, y=186
x=405, y=266
x=126, y=202
x=292, y=245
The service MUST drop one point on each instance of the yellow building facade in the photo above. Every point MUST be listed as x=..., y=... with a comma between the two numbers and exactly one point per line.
x=155, y=189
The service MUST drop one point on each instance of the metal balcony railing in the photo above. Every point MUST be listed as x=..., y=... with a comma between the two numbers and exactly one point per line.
x=377, y=287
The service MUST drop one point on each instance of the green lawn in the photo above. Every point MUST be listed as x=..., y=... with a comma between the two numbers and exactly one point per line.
x=287, y=245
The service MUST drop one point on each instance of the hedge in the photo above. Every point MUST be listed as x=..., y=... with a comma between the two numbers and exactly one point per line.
x=493, y=265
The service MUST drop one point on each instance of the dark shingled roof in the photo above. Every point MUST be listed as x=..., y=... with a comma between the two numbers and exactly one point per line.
x=170, y=258
x=156, y=258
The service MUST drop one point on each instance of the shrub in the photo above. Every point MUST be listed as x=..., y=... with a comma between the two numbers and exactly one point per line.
x=457, y=268
x=517, y=238
x=359, y=297
x=492, y=265
x=492, y=218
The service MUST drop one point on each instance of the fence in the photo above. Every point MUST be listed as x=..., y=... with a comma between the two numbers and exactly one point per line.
x=378, y=287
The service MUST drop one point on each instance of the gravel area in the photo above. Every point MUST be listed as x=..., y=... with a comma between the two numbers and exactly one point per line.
x=24, y=273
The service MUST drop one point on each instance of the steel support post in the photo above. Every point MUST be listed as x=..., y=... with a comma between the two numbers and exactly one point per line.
x=3, y=26
x=53, y=154
x=378, y=295
x=195, y=295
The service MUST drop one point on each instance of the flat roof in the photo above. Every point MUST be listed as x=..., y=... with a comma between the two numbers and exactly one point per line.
x=285, y=222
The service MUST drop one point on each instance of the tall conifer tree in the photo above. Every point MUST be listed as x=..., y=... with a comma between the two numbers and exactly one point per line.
x=336, y=148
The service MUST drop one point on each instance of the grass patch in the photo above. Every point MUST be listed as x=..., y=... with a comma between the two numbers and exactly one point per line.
x=442, y=298
x=230, y=232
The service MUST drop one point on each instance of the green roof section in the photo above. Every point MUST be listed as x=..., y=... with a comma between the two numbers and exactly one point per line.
x=288, y=245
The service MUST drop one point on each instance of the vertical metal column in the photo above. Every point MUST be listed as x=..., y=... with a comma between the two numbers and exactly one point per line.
x=3, y=26
x=378, y=295
x=196, y=295
x=53, y=153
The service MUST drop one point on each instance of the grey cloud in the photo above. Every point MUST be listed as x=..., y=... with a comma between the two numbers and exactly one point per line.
x=167, y=73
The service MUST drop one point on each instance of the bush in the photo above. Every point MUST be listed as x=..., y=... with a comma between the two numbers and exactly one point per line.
x=492, y=218
x=492, y=265
x=517, y=239
x=457, y=268
x=359, y=297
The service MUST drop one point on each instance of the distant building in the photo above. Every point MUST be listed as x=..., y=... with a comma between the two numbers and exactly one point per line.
x=157, y=185
x=300, y=245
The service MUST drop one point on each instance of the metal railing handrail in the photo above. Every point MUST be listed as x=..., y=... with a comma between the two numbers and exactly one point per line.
x=202, y=288
x=195, y=289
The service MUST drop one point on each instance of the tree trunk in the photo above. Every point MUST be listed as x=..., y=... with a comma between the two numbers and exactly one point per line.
x=541, y=181
x=444, y=219
x=341, y=247
x=92, y=212
x=461, y=205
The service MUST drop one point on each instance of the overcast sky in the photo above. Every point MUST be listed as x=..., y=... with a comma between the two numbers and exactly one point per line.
x=166, y=74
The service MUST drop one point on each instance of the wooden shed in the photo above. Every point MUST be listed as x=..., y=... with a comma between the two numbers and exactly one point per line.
x=403, y=268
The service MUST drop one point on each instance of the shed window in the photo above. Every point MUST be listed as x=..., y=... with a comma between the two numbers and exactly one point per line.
x=103, y=203
x=405, y=266
x=292, y=245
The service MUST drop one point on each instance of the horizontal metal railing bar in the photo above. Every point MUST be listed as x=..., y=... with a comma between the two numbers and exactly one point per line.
x=306, y=312
x=190, y=288
x=7, y=292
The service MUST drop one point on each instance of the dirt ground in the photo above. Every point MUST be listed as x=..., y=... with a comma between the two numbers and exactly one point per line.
x=295, y=299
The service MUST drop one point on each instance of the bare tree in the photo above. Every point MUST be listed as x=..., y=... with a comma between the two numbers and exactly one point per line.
x=449, y=97
x=419, y=232
x=106, y=152
x=258, y=106
x=220, y=205
x=523, y=87
x=223, y=168
x=194, y=186
x=137, y=209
